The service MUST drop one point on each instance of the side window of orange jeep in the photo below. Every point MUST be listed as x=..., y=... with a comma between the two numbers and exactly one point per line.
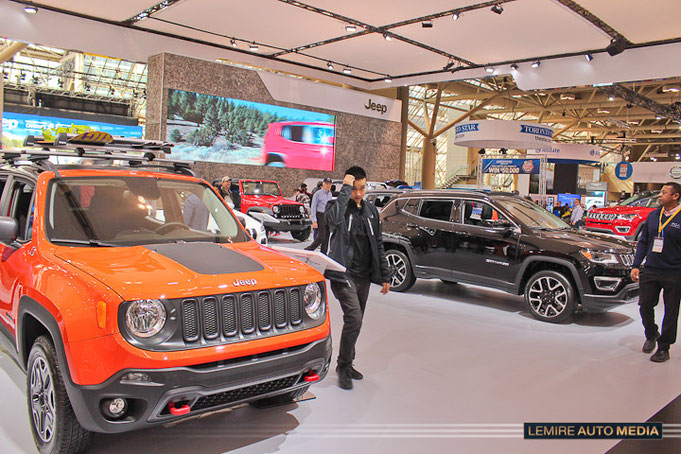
x=21, y=208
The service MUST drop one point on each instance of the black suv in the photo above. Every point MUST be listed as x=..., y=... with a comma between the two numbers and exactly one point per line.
x=502, y=241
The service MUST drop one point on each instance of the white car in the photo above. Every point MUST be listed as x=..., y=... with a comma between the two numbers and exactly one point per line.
x=254, y=227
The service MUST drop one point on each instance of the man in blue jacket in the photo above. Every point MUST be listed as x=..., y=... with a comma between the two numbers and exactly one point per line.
x=660, y=246
x=357, y=245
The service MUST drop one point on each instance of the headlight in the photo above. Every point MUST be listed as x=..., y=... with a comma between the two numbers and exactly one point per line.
x=626, y=217
x=302, y=209
x=604, y=258
x=275, y=208
x=313, y=301
x=145, y=318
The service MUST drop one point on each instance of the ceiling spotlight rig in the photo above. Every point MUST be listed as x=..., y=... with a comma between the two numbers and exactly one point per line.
x=151, y=10
x=329, y=65
x=514, y=66
x=589, y=57
x=536, y=64
x=497, y=8
x=427, y=24
x=449, y=65
x=456, y=16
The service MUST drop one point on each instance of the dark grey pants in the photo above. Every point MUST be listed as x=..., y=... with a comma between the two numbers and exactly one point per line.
x=322, y=235
x=352, y=296
x=650, y=286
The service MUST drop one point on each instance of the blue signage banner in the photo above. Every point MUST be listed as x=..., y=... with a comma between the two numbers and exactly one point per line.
x=16, y=126
x=536, y=130
x=467, y=128
x=511, y=166
x=624, y=170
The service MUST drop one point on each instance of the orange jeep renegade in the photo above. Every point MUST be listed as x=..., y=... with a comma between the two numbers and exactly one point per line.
x=132, y=295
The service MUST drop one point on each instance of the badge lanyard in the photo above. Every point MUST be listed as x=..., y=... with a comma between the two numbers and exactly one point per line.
x=658, y=242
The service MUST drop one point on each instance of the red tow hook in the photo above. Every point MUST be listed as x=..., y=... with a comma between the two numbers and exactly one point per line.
x=178, y=411
x=311, y=377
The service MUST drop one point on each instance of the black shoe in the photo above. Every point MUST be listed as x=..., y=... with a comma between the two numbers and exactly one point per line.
x=355, y=374
x=344, y=378
x=660, y=356
x=649, y=345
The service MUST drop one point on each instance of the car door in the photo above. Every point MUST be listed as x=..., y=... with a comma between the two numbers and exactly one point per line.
x=432, y=237
x=487, y=253
x=15, y=262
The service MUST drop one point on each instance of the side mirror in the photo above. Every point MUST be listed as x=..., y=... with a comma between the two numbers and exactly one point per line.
x=8, y=230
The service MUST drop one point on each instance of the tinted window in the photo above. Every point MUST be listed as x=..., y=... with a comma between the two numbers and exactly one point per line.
x=382, y=200
x=437, y=209
x=412, y=206
x=476, y=213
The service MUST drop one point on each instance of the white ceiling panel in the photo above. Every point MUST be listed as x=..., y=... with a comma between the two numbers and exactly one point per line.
x=195, y=34
x=266, y=21
x=385, y=12
x=374, y=53
x=639, y=21
x=119, y=10
x=526, y=29
x=337, y=68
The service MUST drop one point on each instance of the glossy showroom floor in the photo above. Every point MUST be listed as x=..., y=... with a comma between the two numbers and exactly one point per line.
x=449, y=368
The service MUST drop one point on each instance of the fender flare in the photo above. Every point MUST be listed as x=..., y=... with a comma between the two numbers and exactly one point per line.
x=559, y=261
x=391, y=239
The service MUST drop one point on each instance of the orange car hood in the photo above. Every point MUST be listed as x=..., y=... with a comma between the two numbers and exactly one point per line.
x=188, y=269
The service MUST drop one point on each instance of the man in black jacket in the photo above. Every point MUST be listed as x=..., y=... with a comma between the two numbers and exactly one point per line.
x=660, y=246
x=356, y=244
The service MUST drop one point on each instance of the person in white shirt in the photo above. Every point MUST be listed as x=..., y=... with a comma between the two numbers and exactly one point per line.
x=576, y=216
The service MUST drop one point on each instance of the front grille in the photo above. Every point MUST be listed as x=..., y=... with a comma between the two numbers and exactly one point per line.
x=627, y=259
x=235, y=395
x=602, y=216
x=211, y=320
x=289, y=212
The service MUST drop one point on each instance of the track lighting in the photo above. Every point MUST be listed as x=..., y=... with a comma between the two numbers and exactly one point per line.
x=233, y=43
x=456, y=16
x=329, y=65
x=481, y=151
x=347, y=70
x=498, y=9
x=589, y=57
x=350, y=28
x=448, y=66
x=514, y=66
x=387, y=79
x=536, y=64
x=489, y=69
x=427, y=24
x=253, y=47
x=30, y=9
x=387, y=37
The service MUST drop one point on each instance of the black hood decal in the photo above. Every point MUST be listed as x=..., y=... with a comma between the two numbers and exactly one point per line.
x=207, y=258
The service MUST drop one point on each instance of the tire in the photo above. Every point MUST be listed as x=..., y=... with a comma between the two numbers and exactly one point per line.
x=280, y=399
x=54, y=426
x=401, y=273
x=550, y=296
x=301, y=235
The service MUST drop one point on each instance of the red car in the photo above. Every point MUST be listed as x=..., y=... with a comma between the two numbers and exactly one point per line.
x=262, y=200
x=300, y=144
x=624, y=220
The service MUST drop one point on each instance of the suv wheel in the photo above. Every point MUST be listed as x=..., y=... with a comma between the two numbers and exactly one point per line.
x=550, y=296
x=54, y=426
x=401, y=275
x=301, y=235
x=280, y=399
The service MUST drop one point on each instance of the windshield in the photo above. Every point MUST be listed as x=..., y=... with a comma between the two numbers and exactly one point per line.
x=261, y=188
x=532, y=215
x=128, y=211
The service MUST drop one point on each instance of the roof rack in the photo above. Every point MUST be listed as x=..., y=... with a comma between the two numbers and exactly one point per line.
x=98, y=145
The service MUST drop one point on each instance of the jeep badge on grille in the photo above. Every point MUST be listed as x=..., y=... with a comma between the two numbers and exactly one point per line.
x=241, y=283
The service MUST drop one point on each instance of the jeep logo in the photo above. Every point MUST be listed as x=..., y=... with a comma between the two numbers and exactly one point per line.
x=675, y=172
x=251, y=282
x=379, y=107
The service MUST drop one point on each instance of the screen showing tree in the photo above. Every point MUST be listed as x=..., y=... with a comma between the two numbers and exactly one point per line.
x=233, y=131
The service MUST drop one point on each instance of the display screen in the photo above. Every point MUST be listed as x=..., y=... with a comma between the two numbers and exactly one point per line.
x=16, y=126
x=233, y=131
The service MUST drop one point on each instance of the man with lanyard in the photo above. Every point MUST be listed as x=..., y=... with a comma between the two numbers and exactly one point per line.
x=357, y=245
x=660, y=246
x=317, y=209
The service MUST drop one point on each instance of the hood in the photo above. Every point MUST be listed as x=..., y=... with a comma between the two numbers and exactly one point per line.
x=589, y=240
x=179, y=270
x=642, y=211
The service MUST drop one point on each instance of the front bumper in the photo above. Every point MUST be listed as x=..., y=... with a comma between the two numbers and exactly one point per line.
x=602, y=303
x=204, y=387
x=285, y=225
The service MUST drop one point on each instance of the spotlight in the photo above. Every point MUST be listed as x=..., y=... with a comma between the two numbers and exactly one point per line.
x=427, y=24
x=233, y=43
x=330, y=66
x=350, y=28
x=30, y=9
x=658, y=117
x=253, y=47
x=497, y=9
x=387, y=79
x=489, y=69
x=536, y=64
x=387, y=37
x=503, y=151
x=456, y=16
x=589, y=57
x=611, y=98
x=481, y=151
x=347, y=70
x=616, y=46
x=514, y=66
x=448, y=66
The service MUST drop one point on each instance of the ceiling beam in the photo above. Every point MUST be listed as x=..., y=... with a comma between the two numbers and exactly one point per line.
x=595, y=20
x=10, y=51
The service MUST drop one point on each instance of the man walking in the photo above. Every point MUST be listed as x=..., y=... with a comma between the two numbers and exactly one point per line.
x=356, y=244
x=576, y=216
x=660, y=246
x=317, y=209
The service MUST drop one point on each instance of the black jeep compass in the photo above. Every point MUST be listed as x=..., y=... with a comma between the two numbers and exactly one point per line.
x=499, y=240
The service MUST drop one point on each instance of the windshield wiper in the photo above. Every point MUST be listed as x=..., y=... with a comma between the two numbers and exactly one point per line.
x=90, y=242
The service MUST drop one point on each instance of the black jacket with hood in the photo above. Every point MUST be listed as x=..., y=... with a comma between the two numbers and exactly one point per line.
x=339, y=221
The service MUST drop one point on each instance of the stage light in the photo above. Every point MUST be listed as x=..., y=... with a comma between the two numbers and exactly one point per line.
x=253, y=47
x=329, y=65
x=498, y=9
x=387, y=79
x=589, y=57
x=536, y=64
x=427, y=24
x=456, y=16
x=489, y=69
x=514, y=66
x=387, y=37
x=350, y=28
x=233, y=43
x=31, y=9
x=347, y=70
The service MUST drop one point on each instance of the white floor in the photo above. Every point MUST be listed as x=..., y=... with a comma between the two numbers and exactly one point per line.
x=448, y=368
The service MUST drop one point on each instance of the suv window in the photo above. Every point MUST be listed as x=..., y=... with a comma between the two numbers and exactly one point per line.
x=381, y=200
x=476, y=213
x=437, y=209
x=21, y=208
x=412, y=206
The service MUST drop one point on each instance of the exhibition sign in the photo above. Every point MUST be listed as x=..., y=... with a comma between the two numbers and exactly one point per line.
x=624, y=170
x=16, y=126
x=570, y=153
x=234, y=131
x=517, y=135
x=511, y=166
x=655, y=172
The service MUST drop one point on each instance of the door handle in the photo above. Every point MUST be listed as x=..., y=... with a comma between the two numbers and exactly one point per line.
x=413, y=226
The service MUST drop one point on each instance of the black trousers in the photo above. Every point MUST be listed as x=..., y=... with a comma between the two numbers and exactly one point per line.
x=651, y=283
x=353, y=296
x=322, y=235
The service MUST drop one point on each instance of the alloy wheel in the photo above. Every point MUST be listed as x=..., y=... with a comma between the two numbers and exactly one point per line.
x=398, y=269
x=43, y=406
x=548, y=296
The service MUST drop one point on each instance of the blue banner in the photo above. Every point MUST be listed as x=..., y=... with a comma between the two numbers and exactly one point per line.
x=536, y=130
x=467, y=128
x=511, y=166
x=624, y=170
x=16, y=126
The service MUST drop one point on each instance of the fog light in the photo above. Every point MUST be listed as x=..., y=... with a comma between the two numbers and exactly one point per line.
x=607, y=283
x=117, y=406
